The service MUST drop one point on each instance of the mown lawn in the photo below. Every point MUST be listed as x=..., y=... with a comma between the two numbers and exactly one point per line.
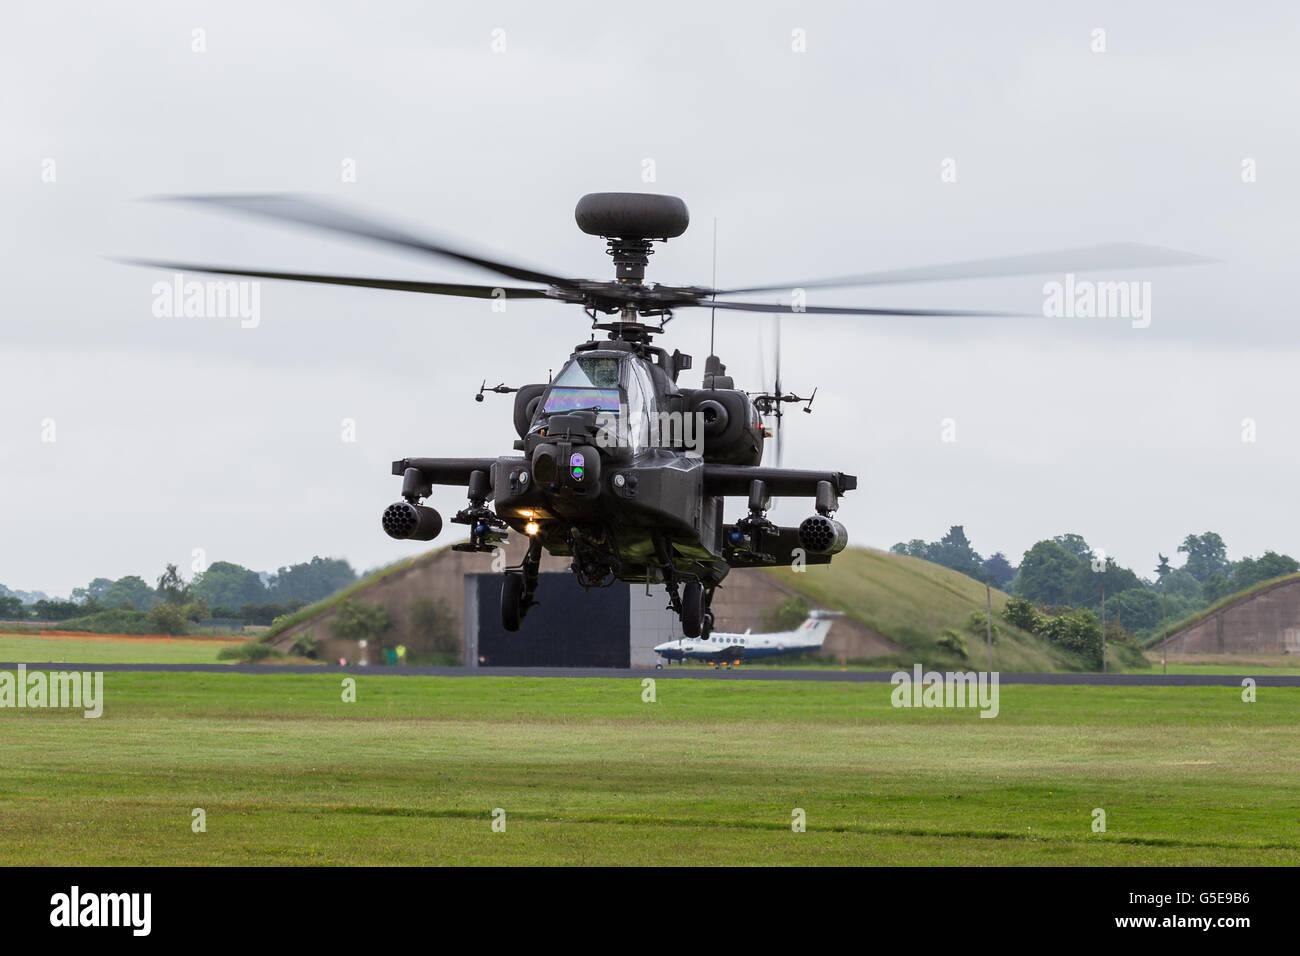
x=587, y=772
x=29, y=648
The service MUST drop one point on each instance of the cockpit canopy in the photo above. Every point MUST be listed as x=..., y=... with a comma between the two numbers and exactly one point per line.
x=630, y=404
x=618, y=386
x=613, y=382
x=587, y=382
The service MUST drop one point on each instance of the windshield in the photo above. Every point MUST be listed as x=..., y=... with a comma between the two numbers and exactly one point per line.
x=592, y=382
x=566, y=399
x=587, y=382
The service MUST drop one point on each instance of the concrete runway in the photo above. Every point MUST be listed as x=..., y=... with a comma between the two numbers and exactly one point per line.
x=670, y=673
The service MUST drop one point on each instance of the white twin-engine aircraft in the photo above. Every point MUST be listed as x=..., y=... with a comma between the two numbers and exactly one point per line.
x=720, y=648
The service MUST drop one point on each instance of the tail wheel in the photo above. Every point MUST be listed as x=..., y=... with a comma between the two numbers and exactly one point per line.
x=512, y=601
x=692, y=609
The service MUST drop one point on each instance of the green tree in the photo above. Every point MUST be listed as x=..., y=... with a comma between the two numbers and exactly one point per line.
x=1207, y=556
x=432, y=626
x=130, y=593
x=954, y=551
x=1215, y=588
x=999, y=570
x=1137, y=608
x=96, y=590
x=358, y=621
x=916, y=548
x=311, y=580
x=225, y=584
x=1075, y=631
x=172, y=588
x=1075, y=544
x=166, y=619
x=54, y=610
x=787, y=615
x=1046, y=573
x=1095, y=576
x=1163, y=567
x=1251, y=571
x=1022, y=614
x=1179, y=584
x=12, y=609
x=305, y=645
x=196, y=610
x=266, y=613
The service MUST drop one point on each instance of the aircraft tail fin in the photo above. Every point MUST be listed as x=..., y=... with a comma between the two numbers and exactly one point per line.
x=817, y=625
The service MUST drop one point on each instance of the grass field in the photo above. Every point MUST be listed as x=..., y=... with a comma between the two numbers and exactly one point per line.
x=33, y=647
x=1257, y=666
x=587, y=772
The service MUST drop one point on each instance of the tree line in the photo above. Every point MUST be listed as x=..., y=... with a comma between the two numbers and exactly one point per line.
x=224, y=590
x=1066, y=572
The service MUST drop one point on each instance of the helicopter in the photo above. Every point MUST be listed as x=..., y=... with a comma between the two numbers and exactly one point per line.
x=616, y=464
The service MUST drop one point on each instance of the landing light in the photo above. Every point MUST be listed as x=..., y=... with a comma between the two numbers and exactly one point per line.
x=530, y=528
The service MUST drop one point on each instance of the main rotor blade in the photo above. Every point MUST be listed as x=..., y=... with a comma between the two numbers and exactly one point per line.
x=400, y=285
x=777, y=354
x=841, y=310
x=309, y=212
x=1119, y=255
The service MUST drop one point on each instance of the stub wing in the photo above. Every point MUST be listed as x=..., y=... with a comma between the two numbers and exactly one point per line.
x=734, y=481
x=445, y=471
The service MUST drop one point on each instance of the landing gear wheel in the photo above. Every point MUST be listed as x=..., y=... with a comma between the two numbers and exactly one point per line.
x=708, y=624
x=692, y=609
x=512, y=601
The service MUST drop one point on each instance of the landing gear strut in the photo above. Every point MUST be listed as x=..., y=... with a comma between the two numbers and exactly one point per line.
x=692, y=601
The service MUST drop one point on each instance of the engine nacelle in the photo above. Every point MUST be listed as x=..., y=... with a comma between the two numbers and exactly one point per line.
x=526, y=401
x=408, y=522
x=822, y=535
x=731, y=431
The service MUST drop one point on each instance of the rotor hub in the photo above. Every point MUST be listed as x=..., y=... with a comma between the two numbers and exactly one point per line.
x=630, y=258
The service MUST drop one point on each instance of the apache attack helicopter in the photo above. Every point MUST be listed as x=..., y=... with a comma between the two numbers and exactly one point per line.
x=594, y=476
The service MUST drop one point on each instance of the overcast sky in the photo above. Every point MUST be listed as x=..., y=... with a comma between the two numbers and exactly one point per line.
x=171, y=435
